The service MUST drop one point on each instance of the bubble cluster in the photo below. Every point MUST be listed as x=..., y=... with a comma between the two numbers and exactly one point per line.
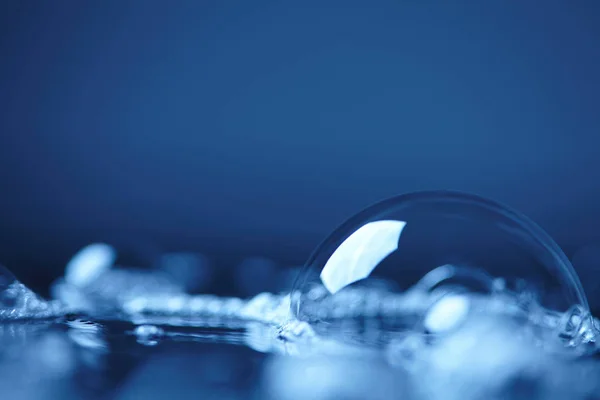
x=18, y=302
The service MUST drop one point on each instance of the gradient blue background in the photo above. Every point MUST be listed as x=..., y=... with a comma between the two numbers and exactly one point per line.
x=254, y=128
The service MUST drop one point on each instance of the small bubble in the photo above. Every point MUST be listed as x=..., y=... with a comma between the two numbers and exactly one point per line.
x=89, y=263
x=148, y=335
x=447, y=313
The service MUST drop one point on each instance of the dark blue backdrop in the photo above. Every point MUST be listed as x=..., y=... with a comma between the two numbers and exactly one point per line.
x=240, y=128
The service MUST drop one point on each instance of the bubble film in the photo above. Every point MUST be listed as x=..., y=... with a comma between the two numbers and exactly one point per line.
x=425, y=262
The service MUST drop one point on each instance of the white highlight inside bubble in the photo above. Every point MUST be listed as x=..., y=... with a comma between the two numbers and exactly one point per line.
x=360, y=253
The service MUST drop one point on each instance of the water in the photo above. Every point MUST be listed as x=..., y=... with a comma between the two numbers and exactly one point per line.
x=198, y=345
x=119, y=360
x=389, y=306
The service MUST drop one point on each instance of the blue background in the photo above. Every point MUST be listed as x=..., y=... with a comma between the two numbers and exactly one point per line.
x=254, y=128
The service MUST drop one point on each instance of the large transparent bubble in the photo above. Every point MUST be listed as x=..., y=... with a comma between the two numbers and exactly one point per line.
x=425, y=262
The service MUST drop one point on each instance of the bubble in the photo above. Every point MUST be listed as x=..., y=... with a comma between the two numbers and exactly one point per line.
x=89, y=263
x=447, y=313
x=148, y=335
x=426, y=261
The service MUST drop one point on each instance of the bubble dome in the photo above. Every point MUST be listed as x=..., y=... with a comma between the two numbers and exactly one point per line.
x=422, y=261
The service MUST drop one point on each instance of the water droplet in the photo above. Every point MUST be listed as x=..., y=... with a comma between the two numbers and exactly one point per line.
x=413, y=249
x=89, y=263
x=148, y=335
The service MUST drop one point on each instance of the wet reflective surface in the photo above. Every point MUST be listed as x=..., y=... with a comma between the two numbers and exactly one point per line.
x=77, y=359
